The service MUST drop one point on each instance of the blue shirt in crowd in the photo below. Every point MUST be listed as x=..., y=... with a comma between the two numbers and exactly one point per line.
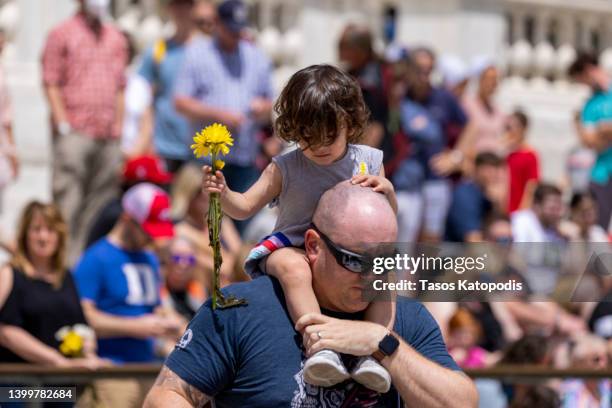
x=120, y=283
x=597, y=110
x=172, y=132
x=429, y=126
x=467, y=210
x=227, y=81
x=252, y=357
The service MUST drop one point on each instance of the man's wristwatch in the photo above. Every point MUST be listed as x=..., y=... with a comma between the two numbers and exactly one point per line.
x=386, y=347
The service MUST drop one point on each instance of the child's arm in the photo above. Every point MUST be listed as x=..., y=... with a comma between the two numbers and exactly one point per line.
x=380, y=184
x=241, y=206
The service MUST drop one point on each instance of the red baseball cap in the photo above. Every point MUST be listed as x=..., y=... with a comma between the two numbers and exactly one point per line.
x=146, y=168
x=149, y=206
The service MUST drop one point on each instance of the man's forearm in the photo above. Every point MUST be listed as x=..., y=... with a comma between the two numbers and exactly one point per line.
x=195, y=110
x=28, y=347
x=604, y=133
x=107, y=325
x=119, y=110
x=426, y=384
x=56, y=104
x=170, y=390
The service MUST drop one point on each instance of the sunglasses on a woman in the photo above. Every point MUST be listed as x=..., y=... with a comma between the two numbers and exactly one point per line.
x=187, y=260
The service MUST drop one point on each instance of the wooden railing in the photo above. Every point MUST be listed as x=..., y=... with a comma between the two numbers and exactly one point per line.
x=33, y=374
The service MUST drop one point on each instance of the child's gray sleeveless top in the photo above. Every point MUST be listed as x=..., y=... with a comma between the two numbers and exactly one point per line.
x=304, y=182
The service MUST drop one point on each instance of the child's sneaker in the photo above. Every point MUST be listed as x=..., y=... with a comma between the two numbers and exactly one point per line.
x=368, y=372
x=325, y=369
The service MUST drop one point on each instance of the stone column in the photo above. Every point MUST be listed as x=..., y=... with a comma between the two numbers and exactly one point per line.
x=467, y=28
x=567, y=29
x=542, y=22
x=587, y=24
x=518, y=24
x=121, y=6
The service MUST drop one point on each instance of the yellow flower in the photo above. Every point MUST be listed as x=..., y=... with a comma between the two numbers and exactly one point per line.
x=213, y=139
x=363, y=168
x=72, y=344
x=219, y=164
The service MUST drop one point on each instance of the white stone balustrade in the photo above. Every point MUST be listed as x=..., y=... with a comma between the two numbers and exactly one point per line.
x=573, y=26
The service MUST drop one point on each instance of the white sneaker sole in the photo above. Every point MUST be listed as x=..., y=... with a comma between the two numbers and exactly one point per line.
x=321, y=373
x=373, y=381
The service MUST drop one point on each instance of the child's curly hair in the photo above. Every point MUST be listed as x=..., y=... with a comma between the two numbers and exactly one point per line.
x=316, y=103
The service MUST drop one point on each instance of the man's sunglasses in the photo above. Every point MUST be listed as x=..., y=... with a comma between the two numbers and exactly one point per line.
x=349, y=260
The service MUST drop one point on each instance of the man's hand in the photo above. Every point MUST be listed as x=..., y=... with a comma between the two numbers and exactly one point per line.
x=344, y=336
x=233, y=120
x=261, y=108
x=117, y=130
x=378, y=183
x=447, y=162
x=154, y=326
x=214, y=183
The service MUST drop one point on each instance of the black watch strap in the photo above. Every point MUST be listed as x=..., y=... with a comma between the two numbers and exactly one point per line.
x=386, y=347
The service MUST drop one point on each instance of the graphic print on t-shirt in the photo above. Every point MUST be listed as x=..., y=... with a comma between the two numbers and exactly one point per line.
x=141, y=284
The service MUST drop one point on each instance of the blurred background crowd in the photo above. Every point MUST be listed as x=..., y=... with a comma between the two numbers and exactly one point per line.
x=121, y=243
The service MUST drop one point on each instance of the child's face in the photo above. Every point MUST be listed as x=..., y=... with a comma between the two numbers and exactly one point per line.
x=463, y=337
x=324, y=155
x=515, y=133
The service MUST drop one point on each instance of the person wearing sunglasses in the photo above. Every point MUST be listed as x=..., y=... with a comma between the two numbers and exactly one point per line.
x=252, y=356
x=181, y=291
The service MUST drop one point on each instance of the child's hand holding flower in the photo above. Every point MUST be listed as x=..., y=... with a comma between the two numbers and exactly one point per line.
x=214, y=183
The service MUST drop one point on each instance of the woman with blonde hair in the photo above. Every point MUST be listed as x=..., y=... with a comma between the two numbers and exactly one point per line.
x=39, y=303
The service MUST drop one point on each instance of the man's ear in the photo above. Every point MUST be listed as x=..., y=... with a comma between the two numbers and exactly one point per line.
x=312, y=245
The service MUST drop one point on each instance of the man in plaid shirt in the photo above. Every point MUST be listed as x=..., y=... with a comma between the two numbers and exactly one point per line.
x=84, y=62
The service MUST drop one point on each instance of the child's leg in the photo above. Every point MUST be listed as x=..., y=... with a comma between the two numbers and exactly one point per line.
x=291, y=268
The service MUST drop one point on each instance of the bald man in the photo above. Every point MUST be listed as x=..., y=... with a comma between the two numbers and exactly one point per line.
x=253, y=356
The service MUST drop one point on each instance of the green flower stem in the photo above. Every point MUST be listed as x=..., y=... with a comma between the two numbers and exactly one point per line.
x=215, y=215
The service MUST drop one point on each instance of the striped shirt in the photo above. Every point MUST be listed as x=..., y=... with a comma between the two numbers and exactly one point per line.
x=227, y=81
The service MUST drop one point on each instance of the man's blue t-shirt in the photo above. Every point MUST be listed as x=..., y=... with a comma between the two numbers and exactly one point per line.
x=172, y=132
x=252, y=357
x=121, y=283
x=467, y=210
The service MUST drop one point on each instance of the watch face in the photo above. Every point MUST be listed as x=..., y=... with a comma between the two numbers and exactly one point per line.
x=389, y=344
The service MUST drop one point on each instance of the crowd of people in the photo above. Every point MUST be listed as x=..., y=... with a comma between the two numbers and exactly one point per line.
x=124, y=247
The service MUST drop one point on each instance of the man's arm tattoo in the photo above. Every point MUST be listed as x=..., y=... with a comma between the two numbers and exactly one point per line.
x=168, y=380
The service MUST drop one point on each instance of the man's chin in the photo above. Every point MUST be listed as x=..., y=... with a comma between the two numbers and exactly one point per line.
x=356, y=304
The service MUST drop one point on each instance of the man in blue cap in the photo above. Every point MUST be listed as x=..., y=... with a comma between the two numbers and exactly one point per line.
x=228, y=80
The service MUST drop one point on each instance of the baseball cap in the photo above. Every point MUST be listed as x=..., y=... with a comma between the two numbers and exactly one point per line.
x=233, y=14
x=146, y=168
x=149, y=206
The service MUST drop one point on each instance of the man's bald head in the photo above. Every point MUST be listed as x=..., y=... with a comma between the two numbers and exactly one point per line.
x=350, y=214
